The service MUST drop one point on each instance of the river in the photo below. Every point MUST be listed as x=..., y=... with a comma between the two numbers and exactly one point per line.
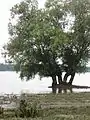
x=11, y=83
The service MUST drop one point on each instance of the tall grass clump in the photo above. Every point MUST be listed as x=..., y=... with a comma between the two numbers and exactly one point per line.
x=1, y=111
x=27, y=109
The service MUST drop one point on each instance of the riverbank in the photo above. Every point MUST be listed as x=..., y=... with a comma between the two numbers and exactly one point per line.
x=71, y=106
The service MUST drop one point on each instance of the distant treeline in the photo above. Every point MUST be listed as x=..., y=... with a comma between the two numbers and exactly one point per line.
x=88, y=69
x=7, y=67
x=10, y=67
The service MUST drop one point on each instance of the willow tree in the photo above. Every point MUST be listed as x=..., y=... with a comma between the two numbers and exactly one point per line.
x=75, y=22
x=39, y=40
x=33, y=39
x=77, y=53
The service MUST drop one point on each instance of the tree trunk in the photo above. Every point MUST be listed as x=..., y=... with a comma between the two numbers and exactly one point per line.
x=54, y=80
x=59, y=90
x=59, y=79
x=70, y=89
x=72, y=78
x=65, y=77
x=54, y=90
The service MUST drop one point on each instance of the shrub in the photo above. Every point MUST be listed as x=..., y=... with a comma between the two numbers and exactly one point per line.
x=1, y=110
x=27, y=109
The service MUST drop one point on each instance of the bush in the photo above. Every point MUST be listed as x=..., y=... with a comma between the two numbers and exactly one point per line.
x=1, y=110
x=27, y=109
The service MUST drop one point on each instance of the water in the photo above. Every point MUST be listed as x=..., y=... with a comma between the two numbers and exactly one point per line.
x=11, y=83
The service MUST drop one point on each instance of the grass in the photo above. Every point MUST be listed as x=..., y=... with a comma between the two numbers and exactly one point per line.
x=73, y=106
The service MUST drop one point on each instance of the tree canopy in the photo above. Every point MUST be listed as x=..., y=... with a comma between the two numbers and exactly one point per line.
x=50, y=40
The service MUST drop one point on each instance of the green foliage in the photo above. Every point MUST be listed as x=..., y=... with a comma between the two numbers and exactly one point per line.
x=34, y=39
x=76, y=54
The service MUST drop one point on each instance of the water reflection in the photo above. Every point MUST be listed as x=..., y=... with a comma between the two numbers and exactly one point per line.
x=62, y=90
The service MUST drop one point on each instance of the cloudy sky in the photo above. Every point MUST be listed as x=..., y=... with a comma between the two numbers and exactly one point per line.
x=5, y=6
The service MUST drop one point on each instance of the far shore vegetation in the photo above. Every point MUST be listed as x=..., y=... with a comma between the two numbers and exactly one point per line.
x=6, y=67
x=10, y=67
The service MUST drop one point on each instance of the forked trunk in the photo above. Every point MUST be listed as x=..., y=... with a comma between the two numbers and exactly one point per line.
x=54, y=80
x=72, y=78
x=65, y=77
x=54, y=89
x=59, y=79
